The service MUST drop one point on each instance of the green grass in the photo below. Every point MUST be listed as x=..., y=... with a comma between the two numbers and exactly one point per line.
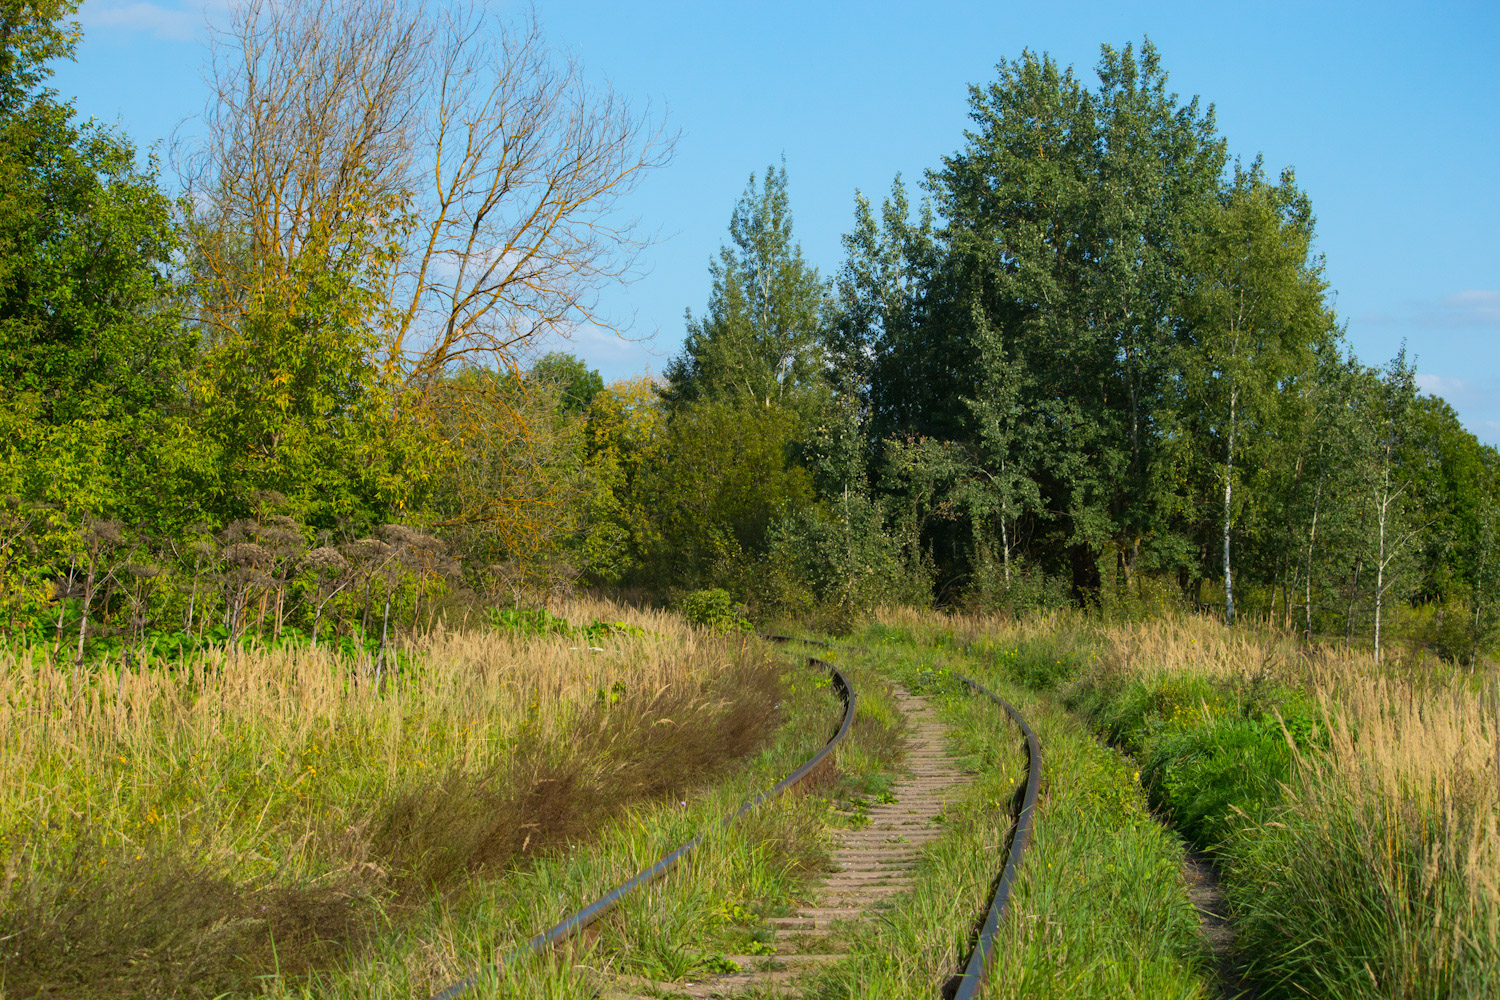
x=1351, y=813
x=680, y=926
x=1099, y=909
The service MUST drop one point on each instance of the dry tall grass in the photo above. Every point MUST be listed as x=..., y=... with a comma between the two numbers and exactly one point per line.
x=168, y=826
x=1379, y=872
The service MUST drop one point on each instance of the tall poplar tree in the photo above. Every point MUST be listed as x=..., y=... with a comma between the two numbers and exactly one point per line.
x=759, y=342
x=1068, y=212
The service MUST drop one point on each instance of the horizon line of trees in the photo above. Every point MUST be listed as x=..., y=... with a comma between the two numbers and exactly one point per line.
x=1095, y=363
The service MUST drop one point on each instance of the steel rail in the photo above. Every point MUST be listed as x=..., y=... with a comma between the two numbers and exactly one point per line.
x=972, y=978
x=575, y=922
x=973, y=975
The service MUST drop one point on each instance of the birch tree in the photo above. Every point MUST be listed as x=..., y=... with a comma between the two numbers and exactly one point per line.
x=1390, y=496
x=1257, y=306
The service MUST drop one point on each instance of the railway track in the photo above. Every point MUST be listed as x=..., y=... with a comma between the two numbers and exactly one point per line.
x=873, y=863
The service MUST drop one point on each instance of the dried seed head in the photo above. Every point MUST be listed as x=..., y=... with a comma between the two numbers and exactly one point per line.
x=143, y=571
x=103, y=532
x=249, y=576
x=396, y=534
x=325, y=559
x=241, y=531
x=367, y=550
x=247, y=554
x=282, y=538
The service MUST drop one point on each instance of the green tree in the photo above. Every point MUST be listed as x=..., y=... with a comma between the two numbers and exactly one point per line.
x=293, y=398
x=759, y=341
x=873, y=342
x=1256, y=315
x=576, y=383
x=728, y=473
x=1069, y=212
x=91, y=344
x=626, y=441
x=90, y=348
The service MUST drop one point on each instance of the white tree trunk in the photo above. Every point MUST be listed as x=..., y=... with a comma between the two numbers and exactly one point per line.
x=1385, y=507
x=1228, y=496
x=1004, y=530
x=1312, y=534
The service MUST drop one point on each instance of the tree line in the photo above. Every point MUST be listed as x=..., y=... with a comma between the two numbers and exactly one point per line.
x=313, y=348
x=1094, y=363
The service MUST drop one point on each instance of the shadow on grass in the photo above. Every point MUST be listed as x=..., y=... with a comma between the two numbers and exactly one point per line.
x=108, y=925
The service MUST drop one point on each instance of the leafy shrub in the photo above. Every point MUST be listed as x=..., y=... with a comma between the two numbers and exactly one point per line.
x=1024, y=590
x=1207, y=752
x=713, y=609
x=525, y=621
x=832, y=567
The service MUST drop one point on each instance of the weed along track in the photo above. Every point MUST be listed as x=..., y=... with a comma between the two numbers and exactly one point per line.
x=872, y=863
x=873, y=867
x=575, y=922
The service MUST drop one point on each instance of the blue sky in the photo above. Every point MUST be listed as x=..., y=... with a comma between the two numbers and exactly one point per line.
x=1390, y=114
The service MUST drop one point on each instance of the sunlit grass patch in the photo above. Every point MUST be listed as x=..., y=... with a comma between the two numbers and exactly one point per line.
x=1353, y=804
x=191, y=827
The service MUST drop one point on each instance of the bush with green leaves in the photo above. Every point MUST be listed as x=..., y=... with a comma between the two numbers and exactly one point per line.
x=1210, y=754
x=713, y=609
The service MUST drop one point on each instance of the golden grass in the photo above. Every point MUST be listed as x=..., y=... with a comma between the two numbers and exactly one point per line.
x=1388, y=837
x=288, y=782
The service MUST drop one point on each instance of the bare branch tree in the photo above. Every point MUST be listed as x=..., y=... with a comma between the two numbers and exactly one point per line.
x=482, y=164
x=309, y=140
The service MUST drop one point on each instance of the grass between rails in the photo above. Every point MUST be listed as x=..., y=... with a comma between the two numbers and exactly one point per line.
x=1099, y=909
x=684, y=924
x=275, y=823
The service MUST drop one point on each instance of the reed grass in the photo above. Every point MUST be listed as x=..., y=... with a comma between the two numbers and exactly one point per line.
x=188, y=827
x=1373, y=869
x=1354, y=805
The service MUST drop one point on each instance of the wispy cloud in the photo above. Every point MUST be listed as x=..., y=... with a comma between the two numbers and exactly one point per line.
x=1474, y=399
x=1440, y=385
x=1475, y=307
x=175, y=23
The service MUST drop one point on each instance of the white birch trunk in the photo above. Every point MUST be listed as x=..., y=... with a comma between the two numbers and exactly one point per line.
x=1312, y=534
x=1228, y=496
x=1385, y=507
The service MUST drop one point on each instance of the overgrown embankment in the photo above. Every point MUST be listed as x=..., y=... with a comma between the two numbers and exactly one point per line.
x=216, y=824
x=1352, y=808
